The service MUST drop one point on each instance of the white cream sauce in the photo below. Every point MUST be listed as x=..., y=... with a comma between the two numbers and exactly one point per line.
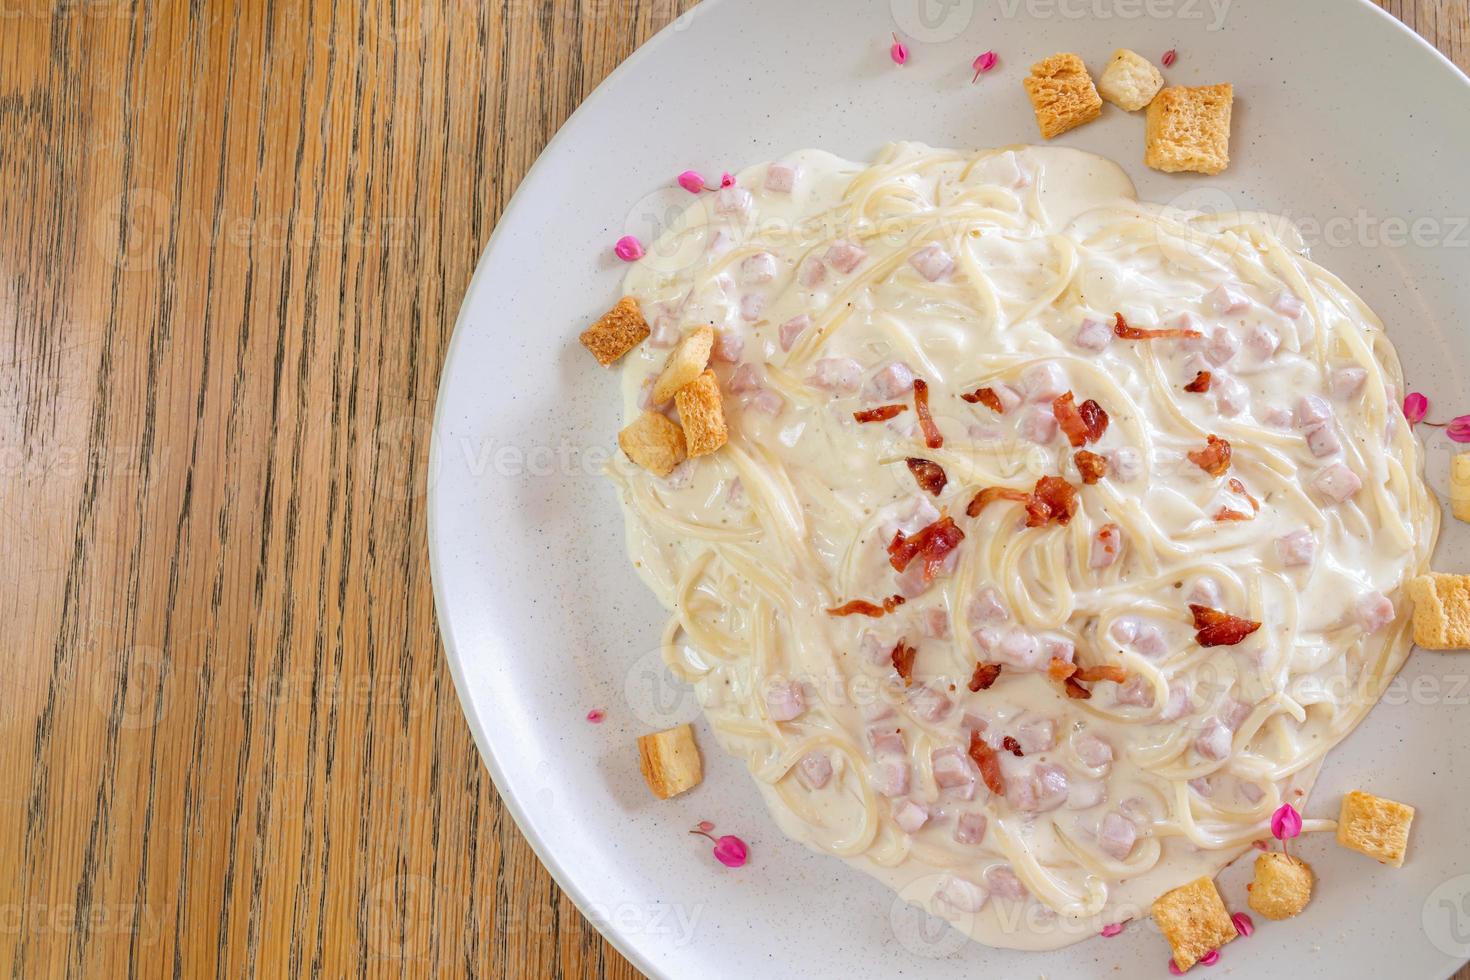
x=1030, y=250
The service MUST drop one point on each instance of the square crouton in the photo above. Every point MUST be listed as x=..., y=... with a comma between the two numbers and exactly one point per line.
x=616, y=332
x=1130, y=81
x=1062, y=94
x=1189, y=129
x=1460, y=486
x=670, y=762
x=703, y=414
x=1193, y=919
x=1282, y=886
x=1376, y=827
x=684, y=363
x=1441, y=611
x=654, y=443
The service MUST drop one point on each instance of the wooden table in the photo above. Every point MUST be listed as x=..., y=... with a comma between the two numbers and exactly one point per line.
x=233, y=239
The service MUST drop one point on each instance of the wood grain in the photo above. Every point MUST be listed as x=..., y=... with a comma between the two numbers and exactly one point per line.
x=233, y=239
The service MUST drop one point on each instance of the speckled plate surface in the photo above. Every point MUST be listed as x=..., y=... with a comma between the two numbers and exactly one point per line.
x=1344, y=120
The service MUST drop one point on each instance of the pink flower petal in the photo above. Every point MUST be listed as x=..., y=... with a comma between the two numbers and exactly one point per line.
x=1286, y=823
x=629, y=249
x=1174, y=968
x=727, y=180
x=705, y=826
x=983, y=63
x=899, y=53
x=1459, y=429
x=1210, y=958
x=731, y=851
x=596, y=716
x=1170, y=56
x=1415, y=407
x=1260, y=845
x=1243, y=924
x=691, y=181
x=1112, y=929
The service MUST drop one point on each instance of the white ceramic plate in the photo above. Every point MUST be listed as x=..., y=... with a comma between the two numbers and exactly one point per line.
x=1344, y=120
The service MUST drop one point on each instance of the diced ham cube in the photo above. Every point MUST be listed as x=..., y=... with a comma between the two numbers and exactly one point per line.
x=1234, y=713
x=1036, y=735
x=1288, y=305
x=1093, y=751
x=665, y=332
x=1348, y=382
x=970, y=828
x=1039, y=426
x=1116, y=836
x=728, y=347
x=816, y=768
x=845, y=256
x=1051, y=786
x=988, y=607
x=681, y=477
x=986, y=639
x=1084, y=794
x=909, y=816
x=645, y=395
x=961, y=895
x=1206, y=592
x=1188, y=321
x=1008, y=395
x=1277, y=416
x=972, y=722
x=1136, y=692
x=1252, y=792
x=1312, y=411
x=785, y=701
x=876, y=710
x=719, y=244
x=891, y=777
x=1214, y=741
x=934, y=621
x=1202, y=786
x=1337, y=483
x=1045, y=383
x=1227, y=298
x=909, y=516
x=1093, y=335
x=1124, y=630
x=752, y=305
x=1222, y=347
x=1178, y=705
x=1150, y=641
x=836, y=374
x=812, y=273
x=1019, y=649
x=1107, y=544
x=928, y=704
x=885, y=739
x=1374, y=611
x=1058, y=648
x=932, y=262
x=915, y=581
x=893, y=380
x=1323, y=441
x=766, y=402
x=792, y=329
x=952, y=769
x=1004, y=883
x=733, y=200
x=736, y=494
x=747, y=378
x=1262, y=341
x=1231, y=396
x=758, y=269
x=781, y=177
x=1124, y=464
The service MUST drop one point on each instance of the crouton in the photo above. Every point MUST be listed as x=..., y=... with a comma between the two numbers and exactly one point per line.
x=1460, y=486
x=1441, y=611
x=654, y=443
x=1194, y=920
x=1282, y=886
x=1189, y=129
x=616, y=332
x=1130, y=81
x=1376, y=827
x=684, y=363
x=703, y=414
x=1062, y=94
x=670, y=762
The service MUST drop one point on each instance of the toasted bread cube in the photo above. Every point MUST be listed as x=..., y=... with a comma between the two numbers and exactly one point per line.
x=685, y=362
x=703, y=414
x=1282, y=887
x=654, y=443
x=1193, y=919
x=670, y=761
x=1189, y=129
x=1441, y=611
x=616, y=332
x=1062, y=94
x=1130, y=81
x=1376, y=827
x=1460, y=486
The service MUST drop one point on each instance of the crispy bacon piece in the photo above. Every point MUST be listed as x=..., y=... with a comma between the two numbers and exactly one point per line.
x=1064, y=407
x=984, y=757
x=984, y=676
x=1091, y=465
x=862, y=607
x=1060, y=670
x=1095, y=418
x=930, y=475
x=1075, y=690
x=1218, y=629
x=1102, y=672
x=880, y=414
x=933, y=543
x=1059, y=496
x=932, y=438
x=903, y=661
x=1009, y=744
x=1239, y=488
x=986, y=397
x=1225, y=514
x=1200, y=384
x=1123, y=330
x=1214, y=459
x=990, y=495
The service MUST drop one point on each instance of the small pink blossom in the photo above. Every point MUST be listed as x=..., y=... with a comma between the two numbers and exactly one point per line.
x=705, y=825
x=629, y=249
x=1210, y=958
x=1243, y=924
x=692, y=181
x=1174, y=970
x=982, y=64
x=1415, y=407
x=727, y=180
x=1112, y=929
x=596, y=716
x=1459, y=429
x=899, y=52
x=1260, y=845
x=729, y=850
x=1170, y=56
x=1286, y=823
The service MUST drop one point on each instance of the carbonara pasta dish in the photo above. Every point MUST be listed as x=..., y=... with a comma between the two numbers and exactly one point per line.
x=1057, y=537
